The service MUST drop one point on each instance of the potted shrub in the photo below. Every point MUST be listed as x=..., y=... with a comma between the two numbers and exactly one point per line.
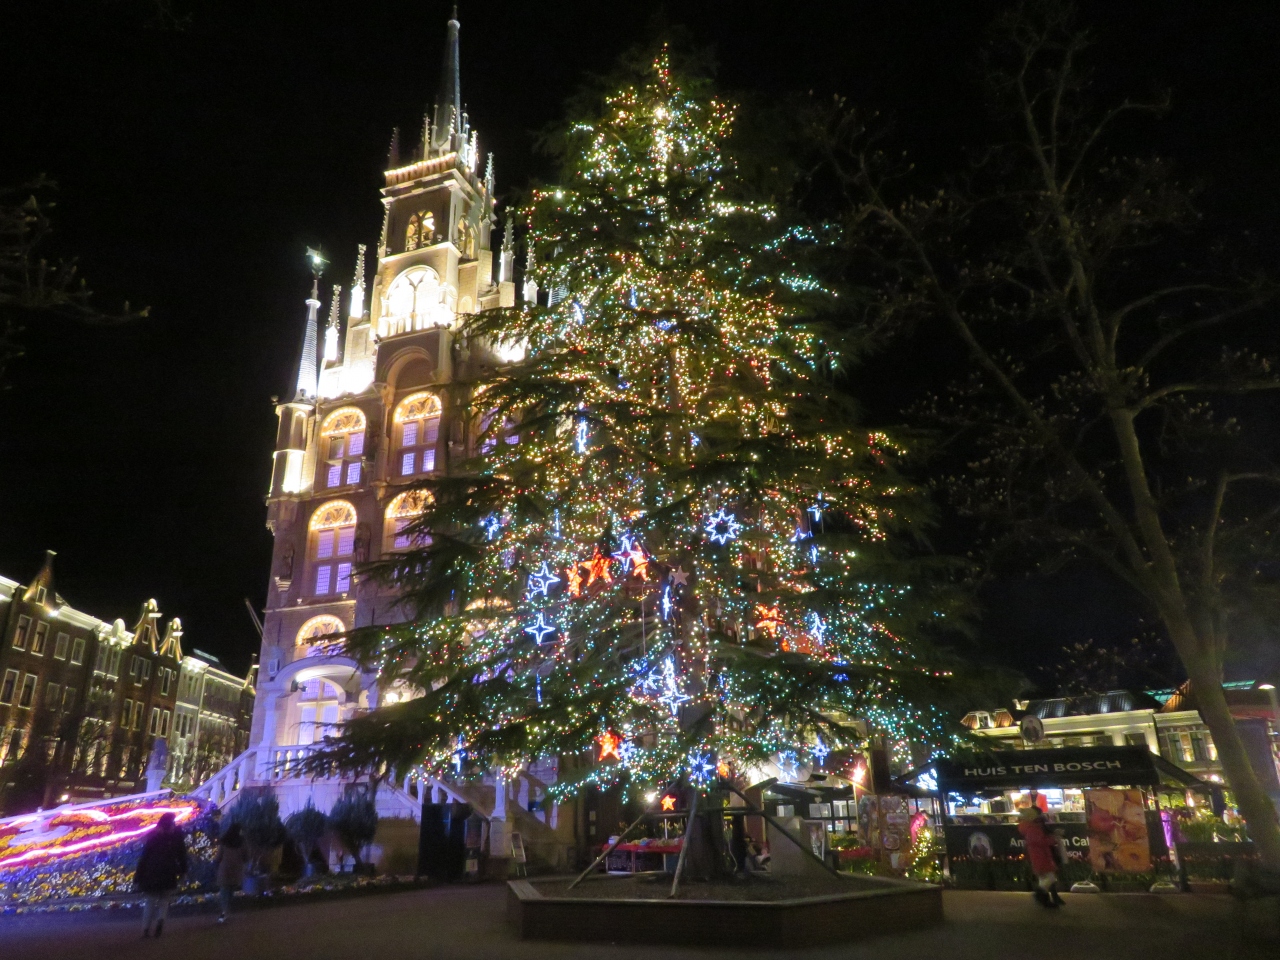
x=259, y=817
x=354, y=819
x=305, y=828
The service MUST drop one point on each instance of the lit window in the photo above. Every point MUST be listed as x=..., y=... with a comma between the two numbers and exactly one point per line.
x=138, y=707
x=60, y=646
x=333, y=536
x=400, y=516
x=28, y=694
x=20, y=635
x=37, y=641
x=77, y=651
x=164, y=724
x=417, y=421
x=415, y=300
x=317, y=631
x=341, y=446
x=154, y=725
x=8, y=686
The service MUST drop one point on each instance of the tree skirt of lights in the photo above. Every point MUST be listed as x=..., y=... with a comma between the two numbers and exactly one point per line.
x=91, y=849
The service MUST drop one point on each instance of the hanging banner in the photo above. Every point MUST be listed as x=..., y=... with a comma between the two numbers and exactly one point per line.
x=1118, y=839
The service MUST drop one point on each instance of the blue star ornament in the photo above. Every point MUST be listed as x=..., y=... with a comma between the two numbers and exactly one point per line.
x=540, y=628
x=722, y=527
x=541, y=581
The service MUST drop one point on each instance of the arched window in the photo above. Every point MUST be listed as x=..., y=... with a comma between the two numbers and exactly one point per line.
x=414, y=301
x=317, y=633
x=411, y=234
x=333, y=540
x=319, y=708
x=401, y=513
x=341, y=447
x=417, y=426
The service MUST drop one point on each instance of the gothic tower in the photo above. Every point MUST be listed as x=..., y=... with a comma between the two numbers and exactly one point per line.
x=369, y=417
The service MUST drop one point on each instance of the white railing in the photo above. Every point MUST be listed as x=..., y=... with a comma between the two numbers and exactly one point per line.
x=222, y=787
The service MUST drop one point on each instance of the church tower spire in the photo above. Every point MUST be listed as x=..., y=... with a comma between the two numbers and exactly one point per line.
x=446, y=128
x=308, y=371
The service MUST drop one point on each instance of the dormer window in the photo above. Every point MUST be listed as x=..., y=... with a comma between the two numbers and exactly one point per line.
x=342, y=448
x=417, y=426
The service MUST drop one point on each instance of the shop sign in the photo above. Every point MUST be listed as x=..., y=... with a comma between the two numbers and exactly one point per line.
x=1064, y=767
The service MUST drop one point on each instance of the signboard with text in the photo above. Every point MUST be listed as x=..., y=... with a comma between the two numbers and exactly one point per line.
x=1060, y=767
x=1000, y=841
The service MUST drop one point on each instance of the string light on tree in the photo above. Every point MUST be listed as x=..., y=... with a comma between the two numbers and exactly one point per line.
x=674, y=401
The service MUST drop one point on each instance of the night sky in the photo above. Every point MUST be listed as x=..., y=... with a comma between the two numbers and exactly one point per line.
x=200, y=146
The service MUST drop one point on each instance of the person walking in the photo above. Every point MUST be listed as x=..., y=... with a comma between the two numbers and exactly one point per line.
x=230, y=862
x=1041, y=843
x=162, y=864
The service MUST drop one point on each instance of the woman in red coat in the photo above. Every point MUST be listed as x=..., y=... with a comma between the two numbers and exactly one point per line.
x=1041, y=843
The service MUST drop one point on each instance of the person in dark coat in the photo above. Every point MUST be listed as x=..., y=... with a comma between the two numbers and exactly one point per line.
x=230, y=862
x=1041, y=843
x=162, y=864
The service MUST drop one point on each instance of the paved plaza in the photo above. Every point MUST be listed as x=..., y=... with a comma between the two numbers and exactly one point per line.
x=461, y=923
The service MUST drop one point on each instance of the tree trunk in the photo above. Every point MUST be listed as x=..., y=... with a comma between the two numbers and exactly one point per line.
x=1255, y=806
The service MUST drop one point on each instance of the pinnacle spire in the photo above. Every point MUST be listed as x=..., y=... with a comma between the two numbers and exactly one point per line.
x=357, y=285
x=448, y=107
x=331, y=331
x=308, y=372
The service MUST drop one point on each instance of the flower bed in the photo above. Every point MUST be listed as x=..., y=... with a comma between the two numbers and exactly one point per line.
x=91, y=850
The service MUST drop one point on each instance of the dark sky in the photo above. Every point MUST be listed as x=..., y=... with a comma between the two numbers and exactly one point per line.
x=195, y=163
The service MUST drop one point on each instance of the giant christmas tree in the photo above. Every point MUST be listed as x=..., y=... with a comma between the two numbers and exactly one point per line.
x=675, y=553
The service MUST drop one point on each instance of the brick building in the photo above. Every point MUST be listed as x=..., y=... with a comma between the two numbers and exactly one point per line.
x=82, y=701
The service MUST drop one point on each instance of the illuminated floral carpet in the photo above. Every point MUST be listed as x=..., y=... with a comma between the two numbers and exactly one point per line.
x=91, y=850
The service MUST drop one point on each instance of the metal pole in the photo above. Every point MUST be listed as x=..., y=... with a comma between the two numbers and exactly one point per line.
x=684, y=845
x=783, y=830
x=622, y=836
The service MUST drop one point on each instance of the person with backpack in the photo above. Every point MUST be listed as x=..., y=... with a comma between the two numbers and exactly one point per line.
x=162, y=864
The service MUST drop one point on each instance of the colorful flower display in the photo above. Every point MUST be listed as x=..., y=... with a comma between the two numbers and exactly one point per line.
x=91, y=850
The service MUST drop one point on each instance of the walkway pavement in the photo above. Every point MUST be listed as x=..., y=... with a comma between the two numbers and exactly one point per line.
x=467, y=923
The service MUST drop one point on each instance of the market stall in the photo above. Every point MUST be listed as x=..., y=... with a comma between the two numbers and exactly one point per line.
x=1104, y=801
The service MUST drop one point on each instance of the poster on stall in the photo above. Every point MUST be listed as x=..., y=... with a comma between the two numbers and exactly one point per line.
x=1117, y=822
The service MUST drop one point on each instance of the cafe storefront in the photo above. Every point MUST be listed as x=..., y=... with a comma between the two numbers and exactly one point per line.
x=1104, y=801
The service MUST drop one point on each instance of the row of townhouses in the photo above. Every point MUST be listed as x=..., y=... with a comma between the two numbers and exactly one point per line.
x=84, y=702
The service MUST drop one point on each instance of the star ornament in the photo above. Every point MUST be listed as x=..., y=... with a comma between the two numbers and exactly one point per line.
x=609, y=743
x=680, y=577
x=574, y=580
x=541, y=581
x=625, y=549
x=639, y=562
x=668, y=804
x=722, y=527
x=540, y=628
x=770, y=619
x=598, y=569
